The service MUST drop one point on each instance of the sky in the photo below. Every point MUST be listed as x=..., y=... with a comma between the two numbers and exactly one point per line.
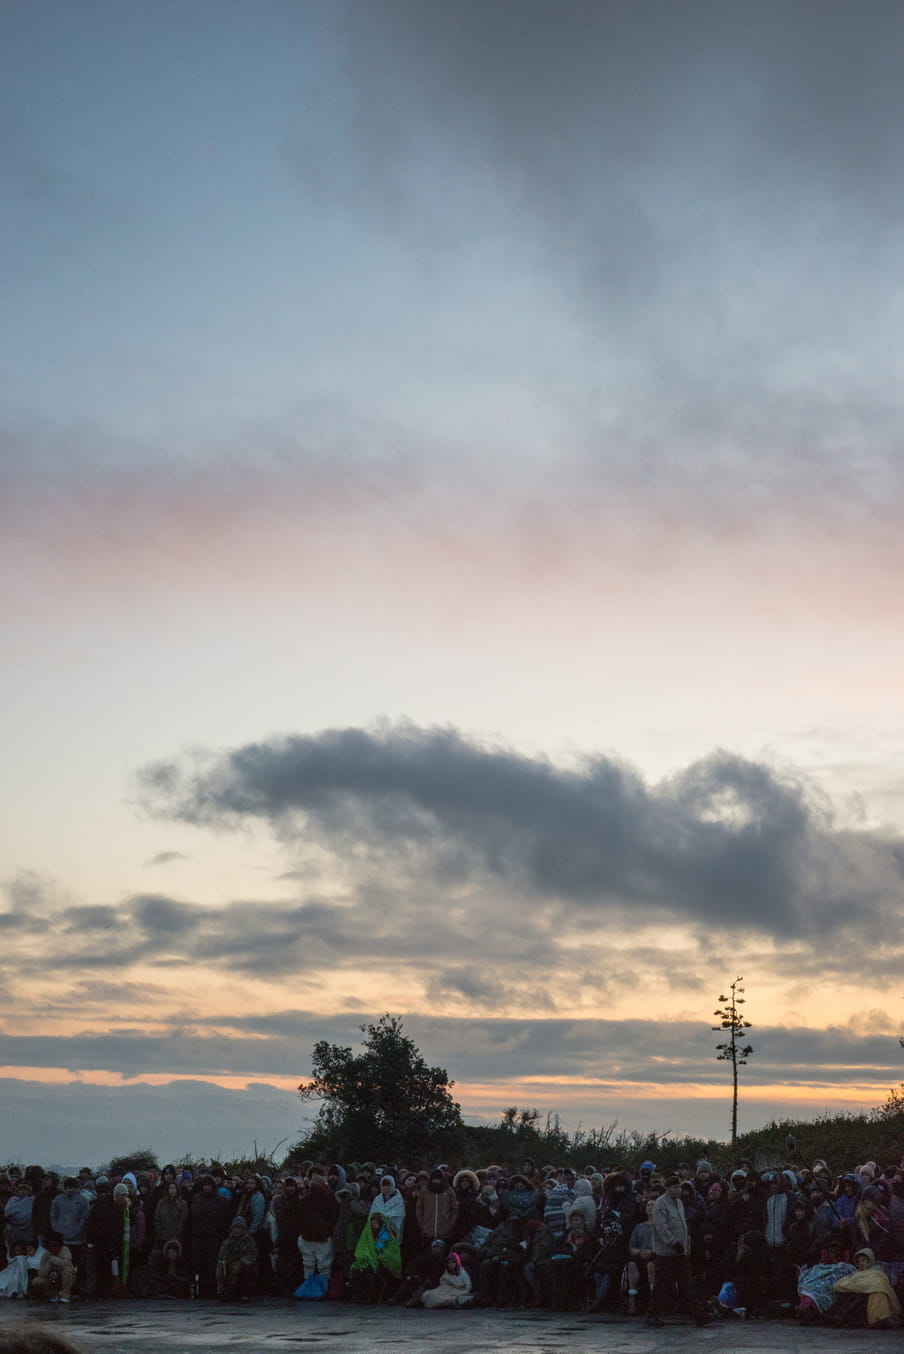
x=450, y=493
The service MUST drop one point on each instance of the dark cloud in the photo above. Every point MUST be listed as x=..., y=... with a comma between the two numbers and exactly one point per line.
x=654, y=1052
x=712, y=190
x=78, y=1123
x=159, y=916
x=166, y=858
x=735, y=844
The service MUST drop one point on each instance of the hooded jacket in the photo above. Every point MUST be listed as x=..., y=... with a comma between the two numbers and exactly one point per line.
x=318, y=1212
x=436, y=1209
x=583, y=1203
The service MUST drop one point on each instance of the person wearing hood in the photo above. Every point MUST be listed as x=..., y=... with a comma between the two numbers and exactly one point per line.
x=45, y=1194
x=558, y=1206
x=883, y=1308
x=336, y=1177
x=167, y=1175
x=20, y=1228
x=253, y=1206
x=847, y=1199
x=208, y=1221
x=352, y=1216
x=694, y=1210
x=618, y=1194
x=800, y=1237
x=745, y=1208
x=318, y=1213
x=454, y=1287
x=287, y=1211
x=377, y=1261
x=523, y=1200
x=872, y=1221
x=436, y=1208
x=166, y=1271
x=467, y=1191
x=390, y=1204
x=751, y=1274
x=715, y=1211
x=644, y=1176
x=170, y=1215
x=825, y=1219
x=131, y=1181
x=613, y=1234
x=584, y=1203
x=236, y=1264
x=501, y=1261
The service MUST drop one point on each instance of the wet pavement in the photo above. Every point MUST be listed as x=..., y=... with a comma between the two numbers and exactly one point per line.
x=339, y=1328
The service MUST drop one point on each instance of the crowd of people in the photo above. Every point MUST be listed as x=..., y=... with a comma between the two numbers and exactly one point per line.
x=709, y=1245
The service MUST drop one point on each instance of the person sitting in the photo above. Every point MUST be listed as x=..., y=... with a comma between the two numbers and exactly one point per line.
x=816, y=1283
x=236, y=1264
x=501, y=1261
x=166, y=1273
x=14, y=1279
x=571, y=1265
x=424, y=1272
x=639, y=1272
x=453, y=1289
x=377, y=1262
x=883, y=1308
x=56, y=1274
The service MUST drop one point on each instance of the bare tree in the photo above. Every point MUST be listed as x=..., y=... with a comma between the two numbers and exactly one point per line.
x=732, y=1051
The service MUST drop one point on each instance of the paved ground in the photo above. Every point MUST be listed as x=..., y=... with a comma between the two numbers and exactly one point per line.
x=333, y=1328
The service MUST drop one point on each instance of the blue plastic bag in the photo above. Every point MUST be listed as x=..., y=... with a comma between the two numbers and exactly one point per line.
x=728, y=1296
x=313, y=1288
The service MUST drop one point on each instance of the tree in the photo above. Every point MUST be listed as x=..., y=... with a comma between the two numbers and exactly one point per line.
x=731, y=1051
x=384, y=1101
x=142, y=1159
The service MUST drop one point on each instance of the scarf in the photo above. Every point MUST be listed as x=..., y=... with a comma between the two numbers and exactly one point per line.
x=126, y=1244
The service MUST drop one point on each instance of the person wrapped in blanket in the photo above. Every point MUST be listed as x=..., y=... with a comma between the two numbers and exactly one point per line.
x=869, y=1281
x=378, y=1261
x=816, y=1283
x=454, y=1287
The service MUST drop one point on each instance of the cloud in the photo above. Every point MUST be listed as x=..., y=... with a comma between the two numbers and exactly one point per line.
x=730, y=843
x=693, y=192
x=166, y=858
x=73, y=1124
x=478, y=1050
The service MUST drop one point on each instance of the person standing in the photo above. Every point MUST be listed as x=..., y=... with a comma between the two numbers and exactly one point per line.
x=318, y=1213
x=671, y=1251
